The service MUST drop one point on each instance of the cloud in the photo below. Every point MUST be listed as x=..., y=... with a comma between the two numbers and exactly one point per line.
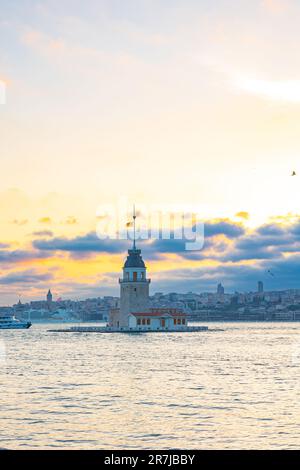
x=225, y=241
x=89, y=243
x=4, y=245
x=70, y=220
x=18, y=256
x=295, y=229
x=231, y=243
x=223, y=227
x=270, y=241
x=159, y=249
x=57, y=48
x=43, y=43
x=43, y=233
x=276, y=6
x=235, y=277
x=271, y=229
x=45, y=220
x=243, y=215
x=19, y=222
x=275, y=90
x=232, y=253
x=155, y=248
x=25, y=277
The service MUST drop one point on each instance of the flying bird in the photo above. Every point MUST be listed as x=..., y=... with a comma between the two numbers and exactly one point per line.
x=294, y=173
x=270, y=272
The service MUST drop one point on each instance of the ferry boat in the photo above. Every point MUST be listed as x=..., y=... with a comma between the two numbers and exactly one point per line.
x=10, y=322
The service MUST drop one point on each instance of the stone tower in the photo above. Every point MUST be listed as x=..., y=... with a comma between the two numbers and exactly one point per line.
x=134, y=286
x=49, y=300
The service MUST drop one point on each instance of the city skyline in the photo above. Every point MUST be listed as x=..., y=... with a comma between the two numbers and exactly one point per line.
x=154, y=294
x=259, y=305
x=205, y=113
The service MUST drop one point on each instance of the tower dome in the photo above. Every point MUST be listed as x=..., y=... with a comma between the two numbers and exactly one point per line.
x=134, y=259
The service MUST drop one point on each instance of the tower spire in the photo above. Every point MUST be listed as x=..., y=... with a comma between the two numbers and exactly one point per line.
x=134, y=217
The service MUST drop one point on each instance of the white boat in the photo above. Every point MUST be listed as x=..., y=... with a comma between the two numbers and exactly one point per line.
x=10, y=322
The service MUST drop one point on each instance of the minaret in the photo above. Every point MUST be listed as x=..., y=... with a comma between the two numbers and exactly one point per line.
x=134, y=286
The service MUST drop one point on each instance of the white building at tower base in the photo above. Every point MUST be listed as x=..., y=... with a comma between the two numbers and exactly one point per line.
x=135, y=313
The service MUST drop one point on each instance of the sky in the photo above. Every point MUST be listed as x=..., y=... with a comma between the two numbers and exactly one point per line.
x=161, y=102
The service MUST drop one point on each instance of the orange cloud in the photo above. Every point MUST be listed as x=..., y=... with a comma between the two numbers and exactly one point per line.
x=43, y=43
x=71, y=220
x=275, y=6
x=45, y=220
x=243, y=215
x=19, y=222
x=52, y=47
x=5, y=81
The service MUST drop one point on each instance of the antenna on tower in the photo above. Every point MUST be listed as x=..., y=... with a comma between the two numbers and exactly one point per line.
x=134, y=217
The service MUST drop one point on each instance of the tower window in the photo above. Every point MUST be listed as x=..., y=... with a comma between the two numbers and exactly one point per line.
x=144, y=321
x=135, y=276
x=148, y=321
x=139, y=321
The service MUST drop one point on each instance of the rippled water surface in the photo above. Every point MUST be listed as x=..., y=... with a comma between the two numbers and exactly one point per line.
x=237, y=388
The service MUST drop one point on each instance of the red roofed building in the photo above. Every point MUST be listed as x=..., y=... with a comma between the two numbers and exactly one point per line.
x=135, y=312
x=158, y=319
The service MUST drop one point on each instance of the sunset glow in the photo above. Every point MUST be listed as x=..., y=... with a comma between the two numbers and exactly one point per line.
x=157, y=102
